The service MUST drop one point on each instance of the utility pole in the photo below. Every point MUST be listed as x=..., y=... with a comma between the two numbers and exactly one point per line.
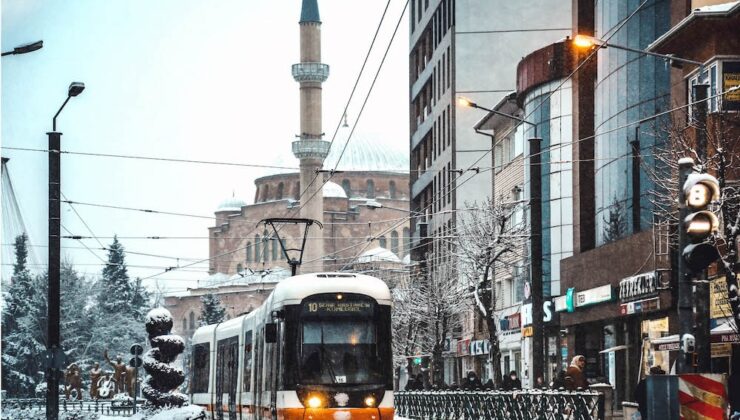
x=535, y=203
x=54, y=339
x=703, y=346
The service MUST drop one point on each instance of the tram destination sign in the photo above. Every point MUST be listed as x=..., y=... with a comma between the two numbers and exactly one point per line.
x=338, y=307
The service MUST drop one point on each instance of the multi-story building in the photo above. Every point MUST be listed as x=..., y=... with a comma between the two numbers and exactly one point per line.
x=463, y=48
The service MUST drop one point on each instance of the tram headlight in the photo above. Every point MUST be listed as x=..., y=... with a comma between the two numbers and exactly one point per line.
x=314, y=401
x=370, y=401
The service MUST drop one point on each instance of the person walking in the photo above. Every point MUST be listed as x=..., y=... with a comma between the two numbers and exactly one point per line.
x=514, y=381
x=472, y=382
x=574, y=376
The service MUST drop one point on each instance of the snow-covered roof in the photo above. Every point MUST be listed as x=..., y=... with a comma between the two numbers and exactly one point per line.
x=231, y=204
x=333, y=190
x=407, y=259
x=717, y=7
x=246, y=277
x=294, y=289
x=378, y=254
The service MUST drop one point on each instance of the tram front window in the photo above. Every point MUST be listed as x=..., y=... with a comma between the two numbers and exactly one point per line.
x=340, y=352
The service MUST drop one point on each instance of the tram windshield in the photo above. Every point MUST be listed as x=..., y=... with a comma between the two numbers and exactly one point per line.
x=340, y=351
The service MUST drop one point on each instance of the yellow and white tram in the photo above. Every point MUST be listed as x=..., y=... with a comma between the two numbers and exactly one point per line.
x=318, y=348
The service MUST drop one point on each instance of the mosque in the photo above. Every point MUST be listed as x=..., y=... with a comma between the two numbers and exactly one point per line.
x=363, y=208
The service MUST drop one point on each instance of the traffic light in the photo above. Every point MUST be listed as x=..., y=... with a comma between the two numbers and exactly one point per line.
x=699, y=192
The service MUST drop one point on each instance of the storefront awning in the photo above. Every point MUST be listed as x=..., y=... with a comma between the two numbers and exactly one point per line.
x=725, y=333
x=615, y=348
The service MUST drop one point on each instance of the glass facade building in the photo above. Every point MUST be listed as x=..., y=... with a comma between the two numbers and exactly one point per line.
x=549, y=106
x=629, y=87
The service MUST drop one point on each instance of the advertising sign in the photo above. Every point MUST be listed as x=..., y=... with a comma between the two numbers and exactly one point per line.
x=594, y=296
x=638, y=287
x=640, y=306
x=479, y=347
x=526, y=312
x=719, y=306
x=730, y=79
x=463, y=347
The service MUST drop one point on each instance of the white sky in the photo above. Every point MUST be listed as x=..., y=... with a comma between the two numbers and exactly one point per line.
x=188, y=79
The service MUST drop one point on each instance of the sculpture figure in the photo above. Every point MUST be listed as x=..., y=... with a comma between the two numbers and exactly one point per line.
x=73, y=378
x=131, y=381
x=119, y=371
x=95, y=373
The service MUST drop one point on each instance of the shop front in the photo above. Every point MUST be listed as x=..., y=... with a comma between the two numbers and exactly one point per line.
x=510, y=342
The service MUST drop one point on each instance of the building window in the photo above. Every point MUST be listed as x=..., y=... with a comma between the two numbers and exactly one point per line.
x=192, y=320
x=239, y=268
x=392, y=189
x=394, y=242
x=280, y=189
x=382, y=241
x=370, y=188
x=256, y=248
x=184, y=324
x=249, y=251
x=297, y=191
x=406, y=241
x=347, y=188
x=265, y=242
x=275, y=250
x=266, y=193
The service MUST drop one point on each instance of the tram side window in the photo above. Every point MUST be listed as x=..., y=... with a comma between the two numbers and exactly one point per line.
x=247, y=363
x=201, y=367
x=227, y=363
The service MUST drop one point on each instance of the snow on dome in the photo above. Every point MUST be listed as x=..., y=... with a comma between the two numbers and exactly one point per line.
x=333, y=190
x=159, y=314
x=365, y=155
x=378, y=254
x=407, y=259
x=231, y=204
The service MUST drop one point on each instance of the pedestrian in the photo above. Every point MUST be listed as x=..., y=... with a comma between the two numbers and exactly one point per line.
x=574, y=376
x=539, y=383
x=641, y=391
x=472, y=382
x=559, y=381
x=488, y=386
x=514, y=381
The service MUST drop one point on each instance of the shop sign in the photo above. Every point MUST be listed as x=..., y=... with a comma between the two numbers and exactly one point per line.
x=526, y=313
x=730, y=79
x=511, y=322
x=729, y=337
x=463, y=347
x=560, y=303
x=570, y=302
x=638, y=287
x=479, y=347
x=722, y=350
x=719, y=305
x=450, y=345
x=646, y=305
x=658, y=325
x=527, y=331
x=667, y=346
x=593, y=296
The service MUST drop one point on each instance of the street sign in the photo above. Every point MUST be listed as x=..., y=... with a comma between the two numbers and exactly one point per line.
x=137, y=350
x=135, y=362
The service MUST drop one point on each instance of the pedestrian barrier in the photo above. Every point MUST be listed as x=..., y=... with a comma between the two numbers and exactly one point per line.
x=104, y=407
x=530, y=404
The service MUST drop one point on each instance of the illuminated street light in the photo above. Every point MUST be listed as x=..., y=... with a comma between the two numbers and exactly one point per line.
x=586, y=41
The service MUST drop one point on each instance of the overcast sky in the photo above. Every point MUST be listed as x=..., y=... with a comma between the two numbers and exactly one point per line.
x=185, y=79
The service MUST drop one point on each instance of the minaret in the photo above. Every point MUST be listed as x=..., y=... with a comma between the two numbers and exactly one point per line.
x=311, y=148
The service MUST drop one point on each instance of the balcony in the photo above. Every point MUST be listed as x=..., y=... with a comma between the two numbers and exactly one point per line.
x=311, y=149
x=310, y=72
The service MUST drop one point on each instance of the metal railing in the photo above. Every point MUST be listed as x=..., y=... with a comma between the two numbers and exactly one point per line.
x=531, y=404
x=105, y=407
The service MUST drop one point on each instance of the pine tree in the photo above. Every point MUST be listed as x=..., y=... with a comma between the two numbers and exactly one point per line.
x=139, y=300
x=212, y=312
x=116, y=289
x=615, y=226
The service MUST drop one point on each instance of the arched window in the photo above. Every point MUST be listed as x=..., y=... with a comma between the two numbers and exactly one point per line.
x=249, y=251
x=297, y=191
x=275, y=250
x=394, y=242
x=406, y=241
x=256, y=248
x=184, y=324
x=382, y=241
x=392, y=189
x=280, y=189
x=370, y=188
x=266, y=193
x=192, y=320
x=265, y=242
x=239, y=268
x=346, y=187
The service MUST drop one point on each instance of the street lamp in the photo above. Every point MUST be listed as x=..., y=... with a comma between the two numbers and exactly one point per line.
x=586, y=41
x=55, y=355
x=462, y=101
x=374, y=204
x=25, y=48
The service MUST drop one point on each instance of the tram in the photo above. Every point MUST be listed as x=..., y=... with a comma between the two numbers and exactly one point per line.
x=318, y=348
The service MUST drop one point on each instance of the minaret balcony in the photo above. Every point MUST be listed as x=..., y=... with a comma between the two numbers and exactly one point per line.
x=310, y=72
x=311, y=149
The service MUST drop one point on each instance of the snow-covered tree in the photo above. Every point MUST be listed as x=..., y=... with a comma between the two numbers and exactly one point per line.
x=615, y=222
x=212, y=311
x=116, y=289
x=164, y=376
x=490, y=238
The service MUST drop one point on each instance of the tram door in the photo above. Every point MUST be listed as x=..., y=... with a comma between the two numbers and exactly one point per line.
x=258, y=385
x=226, y=377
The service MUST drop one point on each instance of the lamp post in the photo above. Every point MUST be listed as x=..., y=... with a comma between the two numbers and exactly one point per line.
x=585, y=41
x=55, y=359
x=25, y=48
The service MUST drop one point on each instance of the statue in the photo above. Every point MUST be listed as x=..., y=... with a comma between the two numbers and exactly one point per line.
x=95, y=373
x=73, y=378
x=131, y=381
x=119, y=371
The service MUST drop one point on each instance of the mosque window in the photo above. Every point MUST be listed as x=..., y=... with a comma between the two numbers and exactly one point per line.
x=297, y=191
x=279, y=195
x=394, y=242
x=265, y=242
x=346, y=187
x=249, y=251
x=370, y=188
x=192, y=320
x=406, y=241
x=256, y=248
x=266, y=193
x=275, y=246
x=392, y=189
x=382, y=241
x=239, y=268
x=184, y=324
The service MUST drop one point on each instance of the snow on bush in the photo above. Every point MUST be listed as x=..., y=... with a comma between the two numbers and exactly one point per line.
x=164, y=377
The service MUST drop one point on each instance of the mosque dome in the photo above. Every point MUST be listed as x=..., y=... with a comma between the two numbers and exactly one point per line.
x=378, y=254
x=364, y=155
x=333, y=190
x=231, y=204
